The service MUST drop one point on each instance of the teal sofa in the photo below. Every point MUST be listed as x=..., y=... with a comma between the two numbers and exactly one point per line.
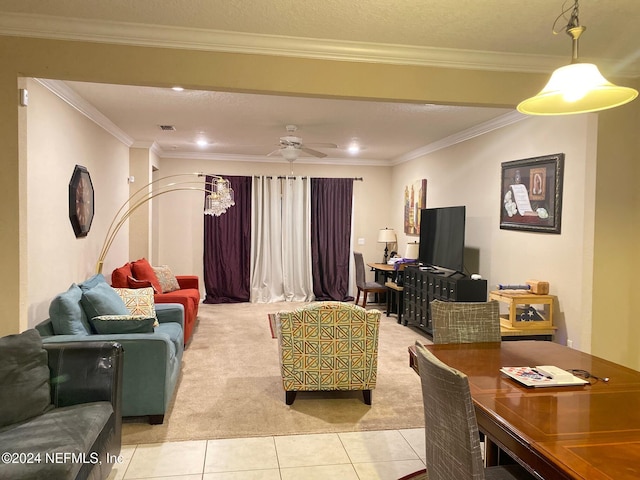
x=152, y=361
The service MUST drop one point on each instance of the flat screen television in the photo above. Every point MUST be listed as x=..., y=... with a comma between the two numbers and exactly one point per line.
x=442, y=237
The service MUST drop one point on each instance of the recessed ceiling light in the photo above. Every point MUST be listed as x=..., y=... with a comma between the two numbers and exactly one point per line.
x=177, y=89
x=202, y=142
x=354, y=147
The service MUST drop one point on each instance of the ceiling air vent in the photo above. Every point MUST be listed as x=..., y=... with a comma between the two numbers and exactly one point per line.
x=167, y=128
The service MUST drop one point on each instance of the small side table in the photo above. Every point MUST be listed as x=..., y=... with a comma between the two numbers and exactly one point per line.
x=395, y=291
x=513, y=327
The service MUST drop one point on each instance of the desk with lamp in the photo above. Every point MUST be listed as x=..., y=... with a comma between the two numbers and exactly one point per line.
x=392, y=271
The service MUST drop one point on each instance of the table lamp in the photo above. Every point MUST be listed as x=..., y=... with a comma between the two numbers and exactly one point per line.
x=412, y=251
x=386, y=236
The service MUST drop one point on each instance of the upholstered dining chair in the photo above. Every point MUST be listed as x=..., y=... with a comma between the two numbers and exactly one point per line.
x=465, y=322
x=361, y=280
x=451, y=430
x=328, y=346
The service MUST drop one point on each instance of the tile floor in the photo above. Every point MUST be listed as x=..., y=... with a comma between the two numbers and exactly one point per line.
x=378, y=455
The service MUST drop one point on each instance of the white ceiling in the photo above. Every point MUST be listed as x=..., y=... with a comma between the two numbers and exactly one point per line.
x=250, y=124
x=496, y=34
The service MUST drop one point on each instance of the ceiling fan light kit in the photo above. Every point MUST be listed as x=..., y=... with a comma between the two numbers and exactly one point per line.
x=577, y=87
x=289, y=153
x=291, y=146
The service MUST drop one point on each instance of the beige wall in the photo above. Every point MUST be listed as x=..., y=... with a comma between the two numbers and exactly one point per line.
x=468, y=174
x=616, y=329
x=28, y=57
x=140, y=226
x=58, y=139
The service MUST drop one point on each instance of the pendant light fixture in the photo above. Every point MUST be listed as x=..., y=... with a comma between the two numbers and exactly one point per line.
x=577, y=87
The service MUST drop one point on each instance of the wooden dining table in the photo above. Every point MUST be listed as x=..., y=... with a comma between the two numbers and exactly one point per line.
x=578, y=432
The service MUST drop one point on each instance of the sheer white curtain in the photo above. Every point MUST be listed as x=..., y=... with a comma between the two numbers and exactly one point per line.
x=281, y=240
x=296, y=240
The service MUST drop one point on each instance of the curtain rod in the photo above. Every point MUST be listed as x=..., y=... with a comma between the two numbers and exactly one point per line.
x=355, y=179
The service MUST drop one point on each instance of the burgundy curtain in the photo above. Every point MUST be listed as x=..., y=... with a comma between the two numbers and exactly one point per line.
x=331, y=236
x=227, y=248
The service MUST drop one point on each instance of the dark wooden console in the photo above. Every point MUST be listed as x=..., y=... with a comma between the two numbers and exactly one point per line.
x=421, y=286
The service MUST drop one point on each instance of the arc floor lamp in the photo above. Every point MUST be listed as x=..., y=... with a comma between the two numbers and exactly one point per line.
x=219, y=198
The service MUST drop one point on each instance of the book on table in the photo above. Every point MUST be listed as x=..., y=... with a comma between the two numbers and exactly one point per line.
x=543, y=376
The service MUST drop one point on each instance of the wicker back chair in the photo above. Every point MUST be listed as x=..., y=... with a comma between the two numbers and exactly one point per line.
x=451, y=430
x=465, y=322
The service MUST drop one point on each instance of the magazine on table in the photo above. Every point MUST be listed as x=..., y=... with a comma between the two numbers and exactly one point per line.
x=543, y=376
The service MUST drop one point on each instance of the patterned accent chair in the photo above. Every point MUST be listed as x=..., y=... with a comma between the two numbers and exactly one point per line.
x=465, y=322
x=328, y=346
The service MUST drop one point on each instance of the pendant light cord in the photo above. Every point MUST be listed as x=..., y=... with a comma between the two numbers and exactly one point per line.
x=572, y=20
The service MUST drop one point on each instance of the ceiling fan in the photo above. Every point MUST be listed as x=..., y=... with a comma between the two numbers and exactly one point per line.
x=291, y=146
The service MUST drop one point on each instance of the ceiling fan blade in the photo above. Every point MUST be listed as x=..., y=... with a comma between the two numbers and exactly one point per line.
x=315, y=153
x=321, y=145
x=275, y=152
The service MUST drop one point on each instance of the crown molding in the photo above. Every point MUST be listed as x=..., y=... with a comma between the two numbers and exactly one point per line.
x=62, y=28
x=463, y=136
x=63, y=91
x=152, y=146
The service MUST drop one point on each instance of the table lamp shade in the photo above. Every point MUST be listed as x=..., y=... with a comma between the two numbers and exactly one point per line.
x=412, y=250
x=386, y=235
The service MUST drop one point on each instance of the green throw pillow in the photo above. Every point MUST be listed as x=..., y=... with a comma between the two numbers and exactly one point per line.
x=24, y=378
x=102, y=300
x=107, y=324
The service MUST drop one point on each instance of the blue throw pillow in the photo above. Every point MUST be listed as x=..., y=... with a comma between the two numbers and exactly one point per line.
x=67, y=315
x=103, y=300
x=91, y=282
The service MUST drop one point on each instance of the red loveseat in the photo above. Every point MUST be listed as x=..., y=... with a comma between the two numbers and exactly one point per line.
x=140, y=274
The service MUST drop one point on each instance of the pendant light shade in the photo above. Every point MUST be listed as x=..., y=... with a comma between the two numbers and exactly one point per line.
x=577, y=87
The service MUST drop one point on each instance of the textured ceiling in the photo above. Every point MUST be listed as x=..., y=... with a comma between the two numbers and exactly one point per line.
x=245, y=124
x=250, y=124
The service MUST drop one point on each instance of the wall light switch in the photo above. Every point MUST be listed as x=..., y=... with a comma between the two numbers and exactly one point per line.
x=361, y=241
x=24, y=97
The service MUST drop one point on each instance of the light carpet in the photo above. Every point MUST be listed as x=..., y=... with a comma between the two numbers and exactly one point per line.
x=230, y=385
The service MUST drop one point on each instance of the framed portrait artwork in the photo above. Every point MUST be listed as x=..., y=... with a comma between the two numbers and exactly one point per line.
x=415, y=199
x=81, y=206
x=531, y=194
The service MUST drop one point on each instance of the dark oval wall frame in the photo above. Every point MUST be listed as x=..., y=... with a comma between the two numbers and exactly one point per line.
x=81, y=206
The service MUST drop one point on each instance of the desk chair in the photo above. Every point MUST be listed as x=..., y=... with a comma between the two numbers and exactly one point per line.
x=361, y=281
x=465, y=322
x=451, y=430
